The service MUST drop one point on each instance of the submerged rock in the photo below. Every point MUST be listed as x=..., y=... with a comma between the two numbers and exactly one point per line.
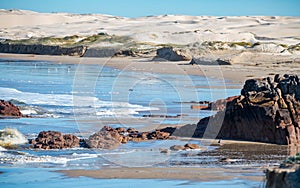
x=9, y=109
x=55, y=140
x=268, y=110
x=187, y=146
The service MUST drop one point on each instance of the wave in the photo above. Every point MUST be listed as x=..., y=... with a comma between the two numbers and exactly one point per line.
x=66, y=104
x=10, y=137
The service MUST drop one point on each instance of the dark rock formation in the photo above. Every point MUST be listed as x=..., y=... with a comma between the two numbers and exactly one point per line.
x=286, y=175
x=172, y=54
x=101, y=52
x=42, y=49
x=211, y=61
x=217, y=105
x=126, y=53
x=9, y=109
x=266, y=111
x=55, y=140
x=283, y=177
x=110, y=138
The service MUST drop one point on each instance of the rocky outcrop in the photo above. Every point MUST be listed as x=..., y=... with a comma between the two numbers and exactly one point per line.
x=217, y=105
x=173, y=54
x=110, y=138
x=55, y=140
x=210, y=61
x=106, y=138
x=286, y=175
x=41, y=49
x=9, y=109
x=283, y=177
x=268, y=110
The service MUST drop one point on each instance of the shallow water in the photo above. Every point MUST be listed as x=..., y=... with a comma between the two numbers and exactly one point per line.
x=81, y=99
x=32, y=177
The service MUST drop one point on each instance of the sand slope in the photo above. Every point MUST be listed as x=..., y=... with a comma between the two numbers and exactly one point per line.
x=176, y=29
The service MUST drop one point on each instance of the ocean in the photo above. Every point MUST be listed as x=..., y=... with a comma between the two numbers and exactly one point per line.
x=80, y=99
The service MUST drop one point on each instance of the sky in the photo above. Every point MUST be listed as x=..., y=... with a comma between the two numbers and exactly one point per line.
x=137, y=8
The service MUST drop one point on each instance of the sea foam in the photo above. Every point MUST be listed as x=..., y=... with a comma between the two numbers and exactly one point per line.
x=9, y=137
x=66, y=103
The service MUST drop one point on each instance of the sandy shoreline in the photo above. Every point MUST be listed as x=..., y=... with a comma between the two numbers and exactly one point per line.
x=236, y=74
x=178, y=173
x=246, y=160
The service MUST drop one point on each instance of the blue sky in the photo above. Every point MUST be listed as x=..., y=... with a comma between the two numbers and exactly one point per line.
x=136, y=8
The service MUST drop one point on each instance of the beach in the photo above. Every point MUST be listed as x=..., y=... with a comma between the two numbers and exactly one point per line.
x=135, y=87
x=241, y=71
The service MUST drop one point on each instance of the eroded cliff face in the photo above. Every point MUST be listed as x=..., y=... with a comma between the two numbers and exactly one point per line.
x=42, y=49
x=268, y=110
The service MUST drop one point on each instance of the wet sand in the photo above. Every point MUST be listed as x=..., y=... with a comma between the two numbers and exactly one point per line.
x=232, y=160
x=188, y=173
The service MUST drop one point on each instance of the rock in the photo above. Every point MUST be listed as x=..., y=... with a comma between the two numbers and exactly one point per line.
x=227, y=160
x=199, y=107
x=172, y=54
x=125, y=53
x=104, y=140
x=55, y=140
x=210, y=61
x=132, y=130
x=177, y=148
x=121, y=130
x=283, y=178
x=191, y=146
x=70, y=141
x=224, y=61
x=168, y=130
x=137, y=139
x=9, y=109
x=286, y=175
x=158, y=135
x=217, y=105
x=125, y=139
x=268, y=110
x=165, y=151
x=100, y=52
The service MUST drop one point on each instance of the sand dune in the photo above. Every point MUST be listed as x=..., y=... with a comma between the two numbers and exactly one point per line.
x=175, y=29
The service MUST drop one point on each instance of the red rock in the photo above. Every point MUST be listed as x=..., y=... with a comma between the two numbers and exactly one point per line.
x=9, y=109
x=54, y=140
x=267, y=111
x=191, y=146
x=199, y=107
x=104, y=140
x=177, y=148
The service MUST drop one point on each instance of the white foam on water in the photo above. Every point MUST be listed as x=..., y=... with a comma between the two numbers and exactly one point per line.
x=8, y=158
x=83, y=104
x=9, y=136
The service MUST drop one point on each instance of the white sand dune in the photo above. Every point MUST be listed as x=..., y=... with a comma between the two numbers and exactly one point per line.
x=175, y=29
